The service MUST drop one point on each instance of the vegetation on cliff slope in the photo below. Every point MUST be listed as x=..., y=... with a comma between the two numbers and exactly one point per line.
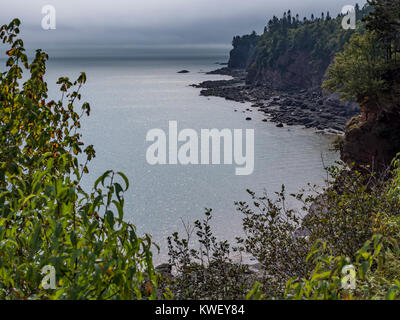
x=293, y=52
x=244, y=47
x=353, y=221
x=368, y=70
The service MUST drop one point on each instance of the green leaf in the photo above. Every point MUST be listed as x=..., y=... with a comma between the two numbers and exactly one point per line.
x=123, y=176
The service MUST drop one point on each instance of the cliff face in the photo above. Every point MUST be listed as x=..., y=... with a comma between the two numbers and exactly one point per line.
x=242, y=57
x=291, y=65
x=293, y=70
x=291, y=53
x=244, y=51
x=372, y=139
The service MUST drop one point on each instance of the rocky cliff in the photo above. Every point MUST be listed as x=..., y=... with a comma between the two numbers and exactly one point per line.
x=371, y=139
x=291, y=53
x=293, y=70
x=244, y=51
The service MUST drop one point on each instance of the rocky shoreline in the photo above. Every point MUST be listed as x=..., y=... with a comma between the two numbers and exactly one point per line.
x=308, y=108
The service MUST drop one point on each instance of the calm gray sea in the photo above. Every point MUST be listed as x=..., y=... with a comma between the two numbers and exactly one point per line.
x=132, y=94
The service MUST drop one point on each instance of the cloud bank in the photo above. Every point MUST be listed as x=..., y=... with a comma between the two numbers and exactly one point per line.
x=154, y=22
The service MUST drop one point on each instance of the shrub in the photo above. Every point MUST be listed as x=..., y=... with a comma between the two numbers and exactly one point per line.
x=46, y=219
x=205, y=270
x=346, y=213
x=302, y=257
x=272, y=239
x=374, y=274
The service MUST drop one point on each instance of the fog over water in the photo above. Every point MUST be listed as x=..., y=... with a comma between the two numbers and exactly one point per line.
x=153, y=23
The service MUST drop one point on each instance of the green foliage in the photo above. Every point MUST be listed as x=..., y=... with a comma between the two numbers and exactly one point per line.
x=46, y=219
x=243, y=48
x=270, y=238
x=367, y=71
x=385, y=22
x=375, y=276
x=358, y=72
x=205, y=270
x=95, y=253
x=347, y=213
x=302, y=257
x=255, y=293
x=30, y=126
x=317, y=40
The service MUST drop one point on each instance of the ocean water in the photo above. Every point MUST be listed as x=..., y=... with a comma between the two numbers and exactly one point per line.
x=131, y=95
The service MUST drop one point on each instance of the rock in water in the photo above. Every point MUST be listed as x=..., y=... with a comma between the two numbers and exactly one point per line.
x=183, y=71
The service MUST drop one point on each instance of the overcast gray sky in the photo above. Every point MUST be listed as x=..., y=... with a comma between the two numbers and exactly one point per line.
x=154, y=22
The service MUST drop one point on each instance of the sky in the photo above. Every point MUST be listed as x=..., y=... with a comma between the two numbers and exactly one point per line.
x=154, y=22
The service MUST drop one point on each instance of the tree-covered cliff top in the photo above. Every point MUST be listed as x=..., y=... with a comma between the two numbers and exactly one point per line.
x=290, y=42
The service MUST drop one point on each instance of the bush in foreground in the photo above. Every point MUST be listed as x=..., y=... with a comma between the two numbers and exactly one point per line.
x=354, y=221
x=46, y=219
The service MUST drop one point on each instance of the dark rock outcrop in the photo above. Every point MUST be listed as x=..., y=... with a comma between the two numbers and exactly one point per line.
x=292, y=70
x=309, y=108
x=372, y=140
x=244, y=51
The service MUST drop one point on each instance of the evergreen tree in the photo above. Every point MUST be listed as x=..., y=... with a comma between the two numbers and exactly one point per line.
x=385, y=21
x=367, y=70
x=328, y=16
